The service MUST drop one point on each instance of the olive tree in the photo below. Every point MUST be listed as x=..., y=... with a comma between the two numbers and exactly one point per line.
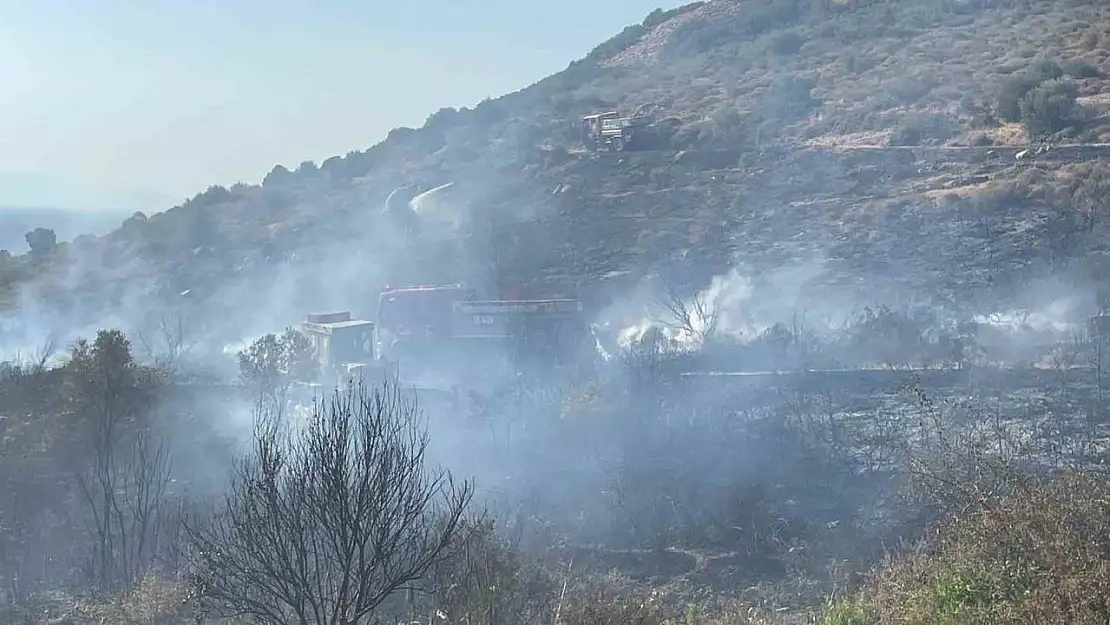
x=324, y=522
x=270, y=365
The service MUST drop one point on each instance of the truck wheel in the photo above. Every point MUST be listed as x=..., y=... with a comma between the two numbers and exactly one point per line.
x=617, y=145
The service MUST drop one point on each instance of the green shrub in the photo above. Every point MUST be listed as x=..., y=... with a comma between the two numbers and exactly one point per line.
x=1034, y=555
x=1014, y=90
x=789, y=99
x=787, y=43
x=962, y=597
x=923, y=129
x=1050, y=107
x=1078, y=68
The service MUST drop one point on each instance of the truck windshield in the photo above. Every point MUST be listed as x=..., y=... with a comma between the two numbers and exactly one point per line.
x=354, y=344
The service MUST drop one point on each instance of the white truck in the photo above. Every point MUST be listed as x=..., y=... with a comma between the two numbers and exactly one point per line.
x=344, y=349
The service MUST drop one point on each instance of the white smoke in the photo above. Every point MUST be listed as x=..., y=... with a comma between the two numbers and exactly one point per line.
x=741, y=304
x=1055, y=317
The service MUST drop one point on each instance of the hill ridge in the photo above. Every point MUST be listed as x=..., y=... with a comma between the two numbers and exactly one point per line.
x=758, y=99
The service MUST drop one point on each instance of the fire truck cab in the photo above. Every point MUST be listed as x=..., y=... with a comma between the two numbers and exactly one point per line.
x=344, y=348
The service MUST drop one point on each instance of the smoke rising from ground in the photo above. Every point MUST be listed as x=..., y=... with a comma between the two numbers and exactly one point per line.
x=608, y=459
x=263, y=291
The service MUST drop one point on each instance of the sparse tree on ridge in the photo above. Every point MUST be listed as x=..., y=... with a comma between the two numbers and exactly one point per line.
x=42, y=242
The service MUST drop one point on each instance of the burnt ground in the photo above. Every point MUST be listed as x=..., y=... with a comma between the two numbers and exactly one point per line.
x=946, y=222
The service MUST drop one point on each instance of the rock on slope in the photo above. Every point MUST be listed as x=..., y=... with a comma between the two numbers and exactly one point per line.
x=779, y=150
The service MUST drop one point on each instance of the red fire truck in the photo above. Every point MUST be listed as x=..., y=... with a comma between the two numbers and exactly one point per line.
x=448, y=329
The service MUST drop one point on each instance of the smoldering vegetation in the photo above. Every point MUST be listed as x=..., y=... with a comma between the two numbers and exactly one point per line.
x=736, y=446
x=652, y=486
x=782, y=443
x=221, y=299
x=742, y=449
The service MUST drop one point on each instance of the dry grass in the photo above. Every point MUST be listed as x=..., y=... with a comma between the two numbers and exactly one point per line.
x=864, y=138
x=1038, y=555
x=1008, y=134
x=1015, y=549
x=153, y=600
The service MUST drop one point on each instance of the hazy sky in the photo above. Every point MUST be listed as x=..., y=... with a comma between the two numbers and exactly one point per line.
x=174, y=95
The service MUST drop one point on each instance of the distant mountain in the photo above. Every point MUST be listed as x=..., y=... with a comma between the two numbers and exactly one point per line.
x=67, y=223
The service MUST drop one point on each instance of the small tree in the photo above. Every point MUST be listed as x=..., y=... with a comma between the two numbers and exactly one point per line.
x=124, y=489
x=1050, y=107
x=1092, y=197
x=271, y=364
x=42, y=243
x=323, y=525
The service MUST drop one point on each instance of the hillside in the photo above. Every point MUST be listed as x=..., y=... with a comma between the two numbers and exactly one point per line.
x=861, y=151
x=811, y=159
x=67, y=224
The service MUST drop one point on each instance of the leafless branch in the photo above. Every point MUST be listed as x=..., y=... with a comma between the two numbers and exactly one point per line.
x=125, y=488
x=323, y=525
x=168, y=341
x=696, y=316
x=42, y=355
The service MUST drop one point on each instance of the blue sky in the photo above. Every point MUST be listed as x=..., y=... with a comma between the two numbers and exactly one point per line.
x=117, y=97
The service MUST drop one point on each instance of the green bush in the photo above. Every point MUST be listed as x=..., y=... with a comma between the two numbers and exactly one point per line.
x=1078, y=68
x=789, y=99
x=923, y=129
x=1013, y=91
x=1050, y=107
x=1034, y=555
x=787, y=43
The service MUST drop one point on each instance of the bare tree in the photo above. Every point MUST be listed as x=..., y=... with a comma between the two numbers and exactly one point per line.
x=30, y=363
x=125, y=494
x=125, y=488
x=1092, y=197
x=697, y=317
x=1064, y=355
x=41, y=355
x=169, y=340
x=322, y=525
